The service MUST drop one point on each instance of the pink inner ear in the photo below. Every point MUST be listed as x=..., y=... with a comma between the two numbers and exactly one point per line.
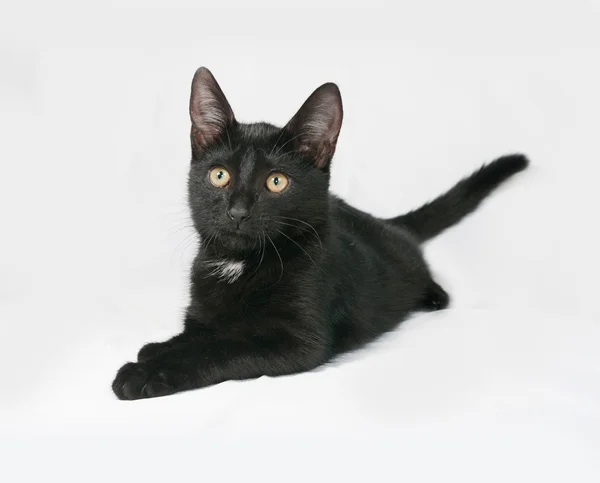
x=209, y=110
x=209, y=117
x=324, y=154
x=317, y=124
x=203, y=138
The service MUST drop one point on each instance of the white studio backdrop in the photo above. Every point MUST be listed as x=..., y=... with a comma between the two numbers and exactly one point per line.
x=95, y=241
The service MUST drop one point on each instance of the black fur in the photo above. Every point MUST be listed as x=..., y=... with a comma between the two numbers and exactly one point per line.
x=319, y=277
x=447, y=210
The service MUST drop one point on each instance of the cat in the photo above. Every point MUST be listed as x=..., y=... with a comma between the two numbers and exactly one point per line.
x=287, y=275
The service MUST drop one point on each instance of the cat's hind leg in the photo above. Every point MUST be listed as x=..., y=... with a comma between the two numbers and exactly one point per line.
x=436, y=298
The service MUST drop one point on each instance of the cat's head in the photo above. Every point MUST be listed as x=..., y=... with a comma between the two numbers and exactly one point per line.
x=250, y=182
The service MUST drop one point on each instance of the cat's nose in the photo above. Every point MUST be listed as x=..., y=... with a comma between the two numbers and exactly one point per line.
x=238, y=214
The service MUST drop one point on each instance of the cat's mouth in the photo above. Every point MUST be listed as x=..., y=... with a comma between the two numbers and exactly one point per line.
x=238, y=232
x=240, y=238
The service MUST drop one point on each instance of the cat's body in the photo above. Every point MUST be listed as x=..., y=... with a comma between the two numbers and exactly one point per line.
x=286, y=279
x=338, y=284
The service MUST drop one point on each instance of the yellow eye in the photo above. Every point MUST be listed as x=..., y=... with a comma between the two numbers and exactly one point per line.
x=219, y=177
x=277, y=182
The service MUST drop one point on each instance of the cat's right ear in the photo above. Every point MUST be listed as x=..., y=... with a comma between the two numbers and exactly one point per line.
x=316, y=126
x=210, y=112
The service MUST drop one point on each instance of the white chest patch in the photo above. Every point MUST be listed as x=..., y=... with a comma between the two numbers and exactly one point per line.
x=227, y=270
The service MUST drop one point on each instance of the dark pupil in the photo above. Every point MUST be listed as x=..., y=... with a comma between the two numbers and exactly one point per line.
x=220, y=175
x=275, y=180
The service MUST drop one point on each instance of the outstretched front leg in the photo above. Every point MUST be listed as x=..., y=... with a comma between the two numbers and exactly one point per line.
x=195, y=361
x=155, y=349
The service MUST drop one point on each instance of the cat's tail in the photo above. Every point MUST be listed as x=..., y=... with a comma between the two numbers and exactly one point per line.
x=462, y=199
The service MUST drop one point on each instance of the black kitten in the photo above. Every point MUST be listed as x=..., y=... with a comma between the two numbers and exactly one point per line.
x=288, y=276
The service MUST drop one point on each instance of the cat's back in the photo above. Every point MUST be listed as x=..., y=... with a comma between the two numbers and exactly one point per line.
x=374, y=277
x=362, y=228
x=374, y=252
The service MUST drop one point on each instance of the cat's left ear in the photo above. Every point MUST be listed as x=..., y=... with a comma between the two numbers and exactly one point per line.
x=210, y=111
x=316, y=126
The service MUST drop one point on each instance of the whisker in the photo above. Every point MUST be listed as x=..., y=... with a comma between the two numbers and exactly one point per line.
x=307, y=224
x=275, y=145
x=280, y=260
x=220, y=138
x=228, y=138
x=211, y=237
x=299, y=246
x=185, y=227
x=184, y=244
x=184, y=241
x=344, y=209
x=264, y=246
x=301, y=228
x=287, y=142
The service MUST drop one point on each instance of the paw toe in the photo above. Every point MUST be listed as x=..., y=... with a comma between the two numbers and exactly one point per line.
x=158, y=384
x=138, y=380
x=130, y=381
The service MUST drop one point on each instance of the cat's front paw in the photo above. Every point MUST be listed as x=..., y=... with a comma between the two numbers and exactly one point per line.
x=138, y=380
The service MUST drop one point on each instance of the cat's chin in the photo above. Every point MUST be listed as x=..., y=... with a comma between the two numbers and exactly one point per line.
x=233, y=242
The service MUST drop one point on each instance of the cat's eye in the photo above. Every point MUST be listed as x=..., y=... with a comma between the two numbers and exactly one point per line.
x=277, y=182
x=219, y=177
